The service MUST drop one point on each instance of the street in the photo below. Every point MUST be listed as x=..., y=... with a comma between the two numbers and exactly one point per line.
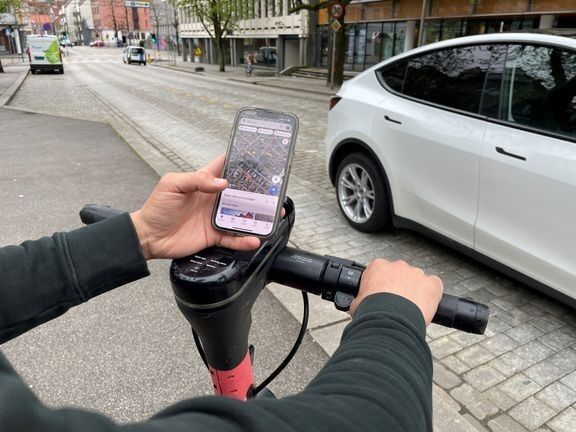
x=519, y=376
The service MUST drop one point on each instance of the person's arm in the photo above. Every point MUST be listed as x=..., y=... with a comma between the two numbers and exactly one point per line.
x=380, y=379
x=42, y=279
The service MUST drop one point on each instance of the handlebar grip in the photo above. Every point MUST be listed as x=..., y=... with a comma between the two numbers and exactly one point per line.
x=462, y=314
x=92, y=213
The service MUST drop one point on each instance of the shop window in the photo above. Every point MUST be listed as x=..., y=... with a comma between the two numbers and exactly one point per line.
x=373, y=44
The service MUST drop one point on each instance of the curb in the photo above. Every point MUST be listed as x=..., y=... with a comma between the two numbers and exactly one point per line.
x=261, y=83
x=8, y=95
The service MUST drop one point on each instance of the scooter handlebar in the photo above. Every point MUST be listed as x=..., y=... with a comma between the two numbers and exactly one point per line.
x=338, y=280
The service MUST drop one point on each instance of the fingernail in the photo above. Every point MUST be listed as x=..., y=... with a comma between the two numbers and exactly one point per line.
x=219, y=181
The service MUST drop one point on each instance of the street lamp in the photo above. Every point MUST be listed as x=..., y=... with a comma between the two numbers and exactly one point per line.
x=169, y=24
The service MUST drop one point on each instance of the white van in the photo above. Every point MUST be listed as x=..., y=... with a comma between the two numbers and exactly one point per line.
x=44, y=53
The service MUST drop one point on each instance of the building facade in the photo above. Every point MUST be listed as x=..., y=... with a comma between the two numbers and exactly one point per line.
x=264, y=28
x=76, y=21
x=117, y=23
x=12, y=24
x=375, y=30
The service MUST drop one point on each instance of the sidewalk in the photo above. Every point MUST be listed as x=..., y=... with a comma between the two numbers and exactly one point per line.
x=262, y=75
x=12, y=78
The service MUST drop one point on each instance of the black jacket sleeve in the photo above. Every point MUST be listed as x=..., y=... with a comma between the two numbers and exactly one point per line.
x=379, y=379
x=42, y=279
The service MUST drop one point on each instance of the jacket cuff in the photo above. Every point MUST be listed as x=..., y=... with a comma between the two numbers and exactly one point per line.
x=106, y=255
x=392, y=304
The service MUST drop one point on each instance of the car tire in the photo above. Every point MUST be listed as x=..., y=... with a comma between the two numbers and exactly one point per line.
x=361, y=193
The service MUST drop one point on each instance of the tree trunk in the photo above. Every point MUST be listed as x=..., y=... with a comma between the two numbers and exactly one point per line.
x=336, y=68
x=220, y=50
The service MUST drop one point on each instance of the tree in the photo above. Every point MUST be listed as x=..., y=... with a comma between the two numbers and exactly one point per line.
x=7, y=6
x=175, y=22
x=336, y=74
x=218, y=19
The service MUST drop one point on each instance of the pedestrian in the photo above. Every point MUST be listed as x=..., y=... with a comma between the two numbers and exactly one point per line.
x=250, y=61
x=379, y=379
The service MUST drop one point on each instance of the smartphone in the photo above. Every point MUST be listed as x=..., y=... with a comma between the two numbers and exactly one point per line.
x=257, y=167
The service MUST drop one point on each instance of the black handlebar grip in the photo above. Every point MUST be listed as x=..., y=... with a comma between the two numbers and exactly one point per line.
x=462, y=314
x=92, y=213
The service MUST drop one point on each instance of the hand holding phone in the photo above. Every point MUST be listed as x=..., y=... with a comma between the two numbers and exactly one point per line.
x=257, y=167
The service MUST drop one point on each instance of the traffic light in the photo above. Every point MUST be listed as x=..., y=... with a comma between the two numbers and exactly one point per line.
x=153, y=38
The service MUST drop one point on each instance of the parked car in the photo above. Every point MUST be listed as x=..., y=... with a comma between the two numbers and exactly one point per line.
x=97, y=43
x=134, y=54
x=44, y=54
x=266, y=55
x=472, y=141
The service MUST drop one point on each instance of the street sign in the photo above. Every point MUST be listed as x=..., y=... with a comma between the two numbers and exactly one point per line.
x=137, y=4
x=336, y=26
x=337, y=10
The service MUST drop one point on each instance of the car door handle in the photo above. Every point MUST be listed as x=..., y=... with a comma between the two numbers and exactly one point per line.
x=392, y=120
x=505, y=153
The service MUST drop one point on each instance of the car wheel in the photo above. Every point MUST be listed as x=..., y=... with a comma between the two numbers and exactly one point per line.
x=361, y=193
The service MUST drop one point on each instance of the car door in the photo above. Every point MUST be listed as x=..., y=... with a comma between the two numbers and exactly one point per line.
x=527, y=202
x=429, y=133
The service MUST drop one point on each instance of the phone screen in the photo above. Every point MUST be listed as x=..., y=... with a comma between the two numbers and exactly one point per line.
x=257, y=167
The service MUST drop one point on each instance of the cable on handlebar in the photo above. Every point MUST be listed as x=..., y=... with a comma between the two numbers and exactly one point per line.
x=289, y=357
x=292, y=352
x=200, y=348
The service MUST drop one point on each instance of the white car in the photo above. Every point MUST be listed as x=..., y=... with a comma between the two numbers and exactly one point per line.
x=472, y=141
x=134, y=54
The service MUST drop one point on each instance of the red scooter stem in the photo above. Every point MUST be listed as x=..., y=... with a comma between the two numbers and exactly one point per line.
x=236, y=383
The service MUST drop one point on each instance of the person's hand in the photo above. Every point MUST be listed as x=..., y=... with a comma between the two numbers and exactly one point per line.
x=175, y=221
x=400, y=278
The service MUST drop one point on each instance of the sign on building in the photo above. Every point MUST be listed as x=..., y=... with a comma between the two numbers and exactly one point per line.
x=137, y=4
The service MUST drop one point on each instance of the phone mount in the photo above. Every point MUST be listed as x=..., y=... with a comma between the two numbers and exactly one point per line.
x=216, y=288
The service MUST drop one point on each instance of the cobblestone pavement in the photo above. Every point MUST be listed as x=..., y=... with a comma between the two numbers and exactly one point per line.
x=520, y=376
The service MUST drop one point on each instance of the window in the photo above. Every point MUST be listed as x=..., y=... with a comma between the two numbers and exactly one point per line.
x=539, y=88
x=393, y=74
x=453, y=77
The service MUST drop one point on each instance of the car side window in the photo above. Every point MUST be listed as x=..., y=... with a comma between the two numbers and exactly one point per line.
x=452, y=77
x=394, y=74
x=539, y=88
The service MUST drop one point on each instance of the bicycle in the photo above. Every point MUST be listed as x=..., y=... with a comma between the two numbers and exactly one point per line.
x=216, y=288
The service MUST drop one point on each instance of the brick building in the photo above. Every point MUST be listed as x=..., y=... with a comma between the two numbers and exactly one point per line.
x=116, y=22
